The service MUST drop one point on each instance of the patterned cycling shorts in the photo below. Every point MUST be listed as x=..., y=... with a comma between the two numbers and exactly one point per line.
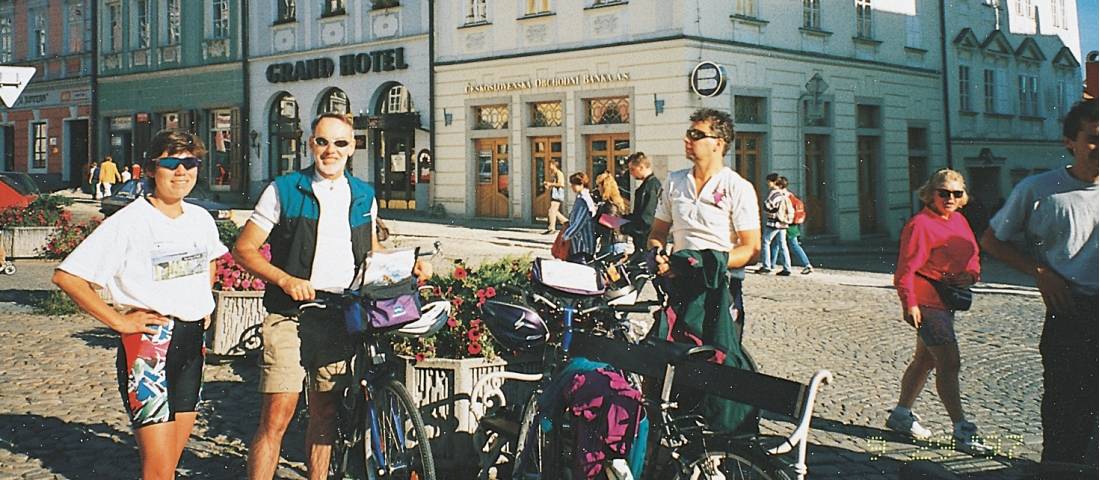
x=161, y=375
x=937, y=327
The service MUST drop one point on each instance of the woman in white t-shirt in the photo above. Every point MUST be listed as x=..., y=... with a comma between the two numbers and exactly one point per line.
x=161, y=285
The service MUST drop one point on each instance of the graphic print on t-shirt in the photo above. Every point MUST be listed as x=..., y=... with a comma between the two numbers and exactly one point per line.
x=176, y=261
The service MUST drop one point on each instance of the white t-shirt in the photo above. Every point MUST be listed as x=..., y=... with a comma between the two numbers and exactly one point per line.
x=1054, y=217
x=147, y=260
x=333, y=260
x=726, y=204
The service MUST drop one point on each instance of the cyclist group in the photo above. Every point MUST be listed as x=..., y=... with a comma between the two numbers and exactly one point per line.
x=321, y=222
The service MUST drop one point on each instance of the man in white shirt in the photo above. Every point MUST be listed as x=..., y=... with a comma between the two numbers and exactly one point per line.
x=321, y=223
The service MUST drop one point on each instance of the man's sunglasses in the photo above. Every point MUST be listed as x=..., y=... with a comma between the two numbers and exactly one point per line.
x=695, y=134
x=323, y=142
x=171, y=163
x=945, y=194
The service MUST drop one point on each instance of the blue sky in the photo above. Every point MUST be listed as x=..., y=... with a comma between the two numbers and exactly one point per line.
x=1086, y=21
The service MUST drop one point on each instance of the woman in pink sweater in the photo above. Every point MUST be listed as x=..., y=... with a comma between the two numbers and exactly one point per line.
x=937, y=243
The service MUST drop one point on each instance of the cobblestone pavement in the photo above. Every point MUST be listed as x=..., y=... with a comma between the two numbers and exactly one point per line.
x=60, y=412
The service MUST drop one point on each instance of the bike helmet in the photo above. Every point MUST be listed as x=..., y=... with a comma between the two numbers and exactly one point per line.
x=433, y=316
x=516, y=327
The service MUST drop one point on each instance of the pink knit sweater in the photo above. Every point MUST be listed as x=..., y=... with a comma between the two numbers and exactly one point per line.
x=933, y=246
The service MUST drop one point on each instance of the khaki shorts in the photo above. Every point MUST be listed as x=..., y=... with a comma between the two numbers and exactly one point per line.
x=291, y=346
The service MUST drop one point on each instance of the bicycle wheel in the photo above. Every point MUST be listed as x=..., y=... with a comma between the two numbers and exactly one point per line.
x=405, y=451
x=528, y=463
x=732, y=463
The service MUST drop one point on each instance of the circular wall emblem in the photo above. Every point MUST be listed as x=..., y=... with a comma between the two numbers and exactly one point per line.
x=708, y=79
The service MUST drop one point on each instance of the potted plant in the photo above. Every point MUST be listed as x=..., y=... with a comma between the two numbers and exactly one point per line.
x=239, y=309
x=26, y=231
x=441, y=370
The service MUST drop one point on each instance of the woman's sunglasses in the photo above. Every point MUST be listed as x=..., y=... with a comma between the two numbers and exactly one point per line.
x=323, y=142
x=695, y=134
x=171, y=163
x=945, y=194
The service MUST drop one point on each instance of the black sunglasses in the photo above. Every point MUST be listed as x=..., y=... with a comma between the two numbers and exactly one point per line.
x=695, y=134
x=171, y=163
x=323, y=142
x=945, y=194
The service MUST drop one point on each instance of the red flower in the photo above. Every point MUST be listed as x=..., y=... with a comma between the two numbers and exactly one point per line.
x=473, y=334
x=420, y=357
x=460, y=273
x=452, y=322
x=490, y=292
x=474, y=348
x=457, y=301
x=481, y=294
x=475, y=323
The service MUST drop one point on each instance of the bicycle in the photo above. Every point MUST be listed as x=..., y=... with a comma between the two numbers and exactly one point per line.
x=379, y=430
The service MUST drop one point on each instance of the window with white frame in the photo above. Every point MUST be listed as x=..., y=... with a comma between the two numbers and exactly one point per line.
x=37, y=26
x=990, y=89
x=864, y=19
x=141, y=21
x=41, y=146
x=535, y=7
x=745, y=8
x=172, y=36
x=220, y=18
x=811, y=14
x=74, y=27
x=114, y=26
x=5, y=38
x=332, y=7
x=397, y=100
x=1058, y=13
x=912, y=32
x=335, y=101
x=287, y=10
x=964, y=88
x=1029, y=95
x=1025, y=8
x=476, y=11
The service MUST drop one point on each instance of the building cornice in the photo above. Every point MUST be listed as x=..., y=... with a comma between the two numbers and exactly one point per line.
x=189, y=70
x=337, y=48
x=795, y=54
x=1004, y=141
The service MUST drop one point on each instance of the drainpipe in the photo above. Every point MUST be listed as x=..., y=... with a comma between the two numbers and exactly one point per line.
x=946, y=86
x=93, y=115
x=431, y=104
x=246, y=124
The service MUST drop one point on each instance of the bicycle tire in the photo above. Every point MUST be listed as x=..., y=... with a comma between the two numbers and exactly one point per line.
x=402, y=461
x=735, y=463
x=528, y=463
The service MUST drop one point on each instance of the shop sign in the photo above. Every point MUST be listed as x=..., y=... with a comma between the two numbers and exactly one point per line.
x=708, y=79
x=581, y=80
x=387, y=60
x=122, y=123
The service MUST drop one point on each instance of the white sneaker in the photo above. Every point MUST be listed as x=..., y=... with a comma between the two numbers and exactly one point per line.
x=907, y=424
x=967, y=439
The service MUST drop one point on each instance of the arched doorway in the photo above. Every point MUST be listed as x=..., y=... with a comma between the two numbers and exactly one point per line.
x=393, y=146
x=334, y=100
x=285, y=135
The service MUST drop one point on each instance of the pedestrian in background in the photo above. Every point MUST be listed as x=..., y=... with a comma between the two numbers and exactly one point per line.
x=108, y=177
x=556, y=184
x=93, y=180
x=608, y=237
x=161, y=283
x=581, y=230
x=794, y=231
x=779, y=213
x=135, y=170
x=1048, y=228
x=640, y=220
x=126, y=174
x=936, y=244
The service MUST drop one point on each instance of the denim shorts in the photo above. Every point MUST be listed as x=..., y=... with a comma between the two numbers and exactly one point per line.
x=937, y=327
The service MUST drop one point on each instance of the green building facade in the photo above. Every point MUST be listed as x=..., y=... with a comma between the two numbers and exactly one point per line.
x=174, y=64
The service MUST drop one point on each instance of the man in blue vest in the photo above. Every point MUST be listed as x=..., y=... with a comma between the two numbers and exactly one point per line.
x=321, y=223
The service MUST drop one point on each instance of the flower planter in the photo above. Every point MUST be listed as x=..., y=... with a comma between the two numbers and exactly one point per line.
x=442, y=387
x=26, y=242
x=237, y=319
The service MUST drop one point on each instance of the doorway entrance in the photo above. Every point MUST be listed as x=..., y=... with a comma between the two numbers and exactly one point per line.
x=78, y=151
x=607, y=153
x=816, y=165
x=543, y=151
x=492, y=177
x=867, y=156
x=747, y=152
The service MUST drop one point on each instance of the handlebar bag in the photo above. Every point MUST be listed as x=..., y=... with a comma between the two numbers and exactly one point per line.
x=386, y=308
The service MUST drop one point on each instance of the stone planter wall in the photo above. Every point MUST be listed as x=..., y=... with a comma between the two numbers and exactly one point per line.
x=442, y=387
x=25, y=242
x=236, y=322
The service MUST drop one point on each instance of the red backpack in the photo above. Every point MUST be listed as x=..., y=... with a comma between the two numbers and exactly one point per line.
x=799, y=210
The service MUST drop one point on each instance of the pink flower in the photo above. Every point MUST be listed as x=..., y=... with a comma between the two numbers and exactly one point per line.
x=457, y=301
x=474, y=348
x=475, y=323
x=490, y=292
x=473, y=334
x=452, y=322
x=258, y=284
x=481, y=293
x=460, y=273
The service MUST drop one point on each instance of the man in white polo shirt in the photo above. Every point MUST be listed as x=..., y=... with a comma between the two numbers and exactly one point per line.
x=709, y=206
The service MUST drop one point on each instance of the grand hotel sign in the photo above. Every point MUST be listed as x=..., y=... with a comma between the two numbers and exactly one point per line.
x=580, y=80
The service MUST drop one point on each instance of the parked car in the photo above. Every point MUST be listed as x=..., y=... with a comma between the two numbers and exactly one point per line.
x=130, y=190
x=17, y=189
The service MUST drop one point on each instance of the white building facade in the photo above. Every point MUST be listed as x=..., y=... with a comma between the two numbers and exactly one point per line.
x=1013, y=73
x=367, y=58
x=825, y=92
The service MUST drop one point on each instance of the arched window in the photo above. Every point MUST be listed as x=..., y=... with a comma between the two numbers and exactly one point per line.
x=334, y=100
x=397, y=100
x=285, y=130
